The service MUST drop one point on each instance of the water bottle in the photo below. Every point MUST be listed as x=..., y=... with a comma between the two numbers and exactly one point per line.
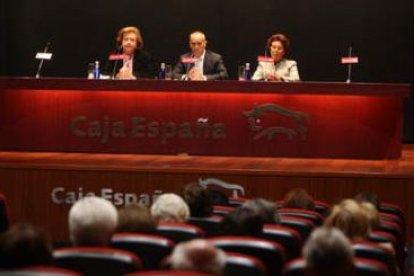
x=91, y=71
x=96, y=72
x=248, y=72
x=161, y=73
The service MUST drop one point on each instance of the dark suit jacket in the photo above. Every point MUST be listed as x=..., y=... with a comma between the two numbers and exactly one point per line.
x=213, y=67
x=143, y=66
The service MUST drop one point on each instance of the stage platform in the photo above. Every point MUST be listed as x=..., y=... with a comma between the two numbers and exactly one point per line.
x=41, y=186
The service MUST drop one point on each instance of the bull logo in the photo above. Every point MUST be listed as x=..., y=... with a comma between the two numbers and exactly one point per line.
x=297, y=120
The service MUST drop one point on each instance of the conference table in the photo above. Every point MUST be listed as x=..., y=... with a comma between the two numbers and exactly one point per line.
x=225, y=118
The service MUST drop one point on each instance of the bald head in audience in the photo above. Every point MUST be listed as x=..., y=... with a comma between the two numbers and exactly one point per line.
x=92, y=221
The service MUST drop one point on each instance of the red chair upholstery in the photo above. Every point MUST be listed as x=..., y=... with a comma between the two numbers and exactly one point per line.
x=179, y=232
x=243, y=265
x=222, y=210
x=97, y=260
x=237, y=201
x=168, y=273
x=4, y=214
x=367, y=267
x=392, y=228
x=150, y=248
x=296, y=267
x=210, y=225
x=385, y=237
x=271, y=253
x=306, y=214
x=303, y=226
x=393, y=218
x=363, y=267
x=374, y=251
x=392, y=209
x=289, y=238
x=320, y=206
x=41, y=271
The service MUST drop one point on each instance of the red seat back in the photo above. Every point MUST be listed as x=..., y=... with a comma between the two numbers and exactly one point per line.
x=315, y=217
x=271, y=253
x=150, y=248
x=179, y=232
x=289, y=238
x=97, y=260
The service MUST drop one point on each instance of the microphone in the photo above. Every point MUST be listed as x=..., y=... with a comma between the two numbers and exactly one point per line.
x=189, y=63
x=349, y=60
x=117, y=53
x=42, y=56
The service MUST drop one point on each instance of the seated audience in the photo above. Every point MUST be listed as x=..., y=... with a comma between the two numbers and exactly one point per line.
x=135, y=218
x=368, y=197
x=24, y=245
x=349, y=217
x=328, y=252
x=198, y=255
x=218, y=198
x=299, y=199
x=207, y=66
x=170, y=208
x=267, y=209
x=92, y=221
x=198, y=199
x=136, y=62
x=281, y=69
x=243, y=221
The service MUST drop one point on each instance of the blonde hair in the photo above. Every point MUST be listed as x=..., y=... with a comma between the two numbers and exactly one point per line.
x=351, y=218
x=372, y=214
x=130, y=29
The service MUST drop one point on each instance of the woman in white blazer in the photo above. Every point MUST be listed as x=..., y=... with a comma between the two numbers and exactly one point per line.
x=278, y=68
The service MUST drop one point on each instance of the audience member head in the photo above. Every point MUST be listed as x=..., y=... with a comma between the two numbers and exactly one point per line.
x=278, y=46
x=350, y=217
x=198, y=255
x=372, y=214
x=218, y=198
x=198, y=199
x=24, y=245
x=130, y=39
x=135, y=218
x=266, y=208
x=4, y=214
x=300, y=199
x=198, y=43
x=368, y=197
x=170, y=208
x=92, y=221
x=328, y=252
x=243, y=221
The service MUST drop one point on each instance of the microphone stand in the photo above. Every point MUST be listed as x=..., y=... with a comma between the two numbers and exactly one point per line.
x=264, y=65
x=118, y=51
x=39, y=67
x=348, y=79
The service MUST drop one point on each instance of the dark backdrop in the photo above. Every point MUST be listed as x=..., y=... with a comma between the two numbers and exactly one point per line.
x=381, y=33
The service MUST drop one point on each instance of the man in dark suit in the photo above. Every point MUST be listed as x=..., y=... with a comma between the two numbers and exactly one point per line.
x=200, y=64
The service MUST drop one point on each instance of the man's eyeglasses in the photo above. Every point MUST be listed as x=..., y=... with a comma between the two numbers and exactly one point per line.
x=196, y=43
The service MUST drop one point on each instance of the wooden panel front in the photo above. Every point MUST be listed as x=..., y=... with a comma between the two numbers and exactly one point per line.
x=44, y=196
x=351, y=124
